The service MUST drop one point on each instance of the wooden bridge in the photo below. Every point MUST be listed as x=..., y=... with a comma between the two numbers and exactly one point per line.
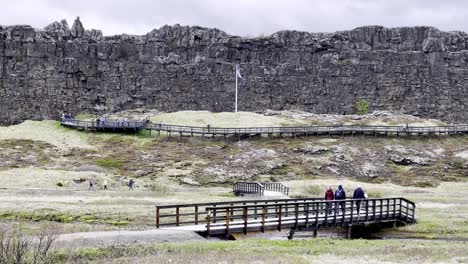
x=259, y=188
x=226, y=218
x=107, y=125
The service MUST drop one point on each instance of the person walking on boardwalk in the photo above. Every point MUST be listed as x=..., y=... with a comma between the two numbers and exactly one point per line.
x=340, y=194
x=359, y=194
x=91, y=185
x=105, y=184
x=329, y=196
x=131, y=183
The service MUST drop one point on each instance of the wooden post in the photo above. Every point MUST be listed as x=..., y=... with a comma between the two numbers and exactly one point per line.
x=263, y=219
x=157, y=217
x=208, y=224
x=245, y=220
x=196, y=214
x=296, y=216
x=367, y=211
x=227, y=222
x=279, y=217
x=373, y=210
x=177, y=216
x=315, y=232
x=348, y=231
x=336, y=208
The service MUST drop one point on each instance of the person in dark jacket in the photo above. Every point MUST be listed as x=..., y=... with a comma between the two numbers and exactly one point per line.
x=340, y=194
x=329, y=196
x=359, y=195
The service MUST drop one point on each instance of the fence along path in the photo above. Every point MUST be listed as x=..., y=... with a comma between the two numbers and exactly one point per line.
x=310, y=130
x=296, y=214
x=125, y=126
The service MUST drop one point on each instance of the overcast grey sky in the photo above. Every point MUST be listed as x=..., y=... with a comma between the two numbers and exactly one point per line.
x=241, y=17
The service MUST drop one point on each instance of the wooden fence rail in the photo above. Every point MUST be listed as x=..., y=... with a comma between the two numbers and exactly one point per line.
x=195, y=214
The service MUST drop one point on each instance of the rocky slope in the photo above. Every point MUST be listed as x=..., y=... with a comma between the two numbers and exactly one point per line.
x=418, y=70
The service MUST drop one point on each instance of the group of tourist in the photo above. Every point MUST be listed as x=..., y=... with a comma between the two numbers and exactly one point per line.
x=340, y=194
x=66, y=115
x=130, y=184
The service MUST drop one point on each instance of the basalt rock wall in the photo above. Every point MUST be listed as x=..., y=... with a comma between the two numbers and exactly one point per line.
x=413, y=70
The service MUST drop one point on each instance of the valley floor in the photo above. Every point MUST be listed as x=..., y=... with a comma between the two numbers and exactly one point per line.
x=45, y=169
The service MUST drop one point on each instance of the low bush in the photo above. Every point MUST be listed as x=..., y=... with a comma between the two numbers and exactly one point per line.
x=110, y=163
x=362, y=107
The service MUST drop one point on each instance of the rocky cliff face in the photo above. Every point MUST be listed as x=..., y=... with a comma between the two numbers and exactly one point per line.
x=418, y=70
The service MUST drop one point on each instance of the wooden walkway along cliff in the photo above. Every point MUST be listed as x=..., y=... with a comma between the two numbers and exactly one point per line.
x=106, y=125
x=294, y=214
x=137, y=125
x=341, y=130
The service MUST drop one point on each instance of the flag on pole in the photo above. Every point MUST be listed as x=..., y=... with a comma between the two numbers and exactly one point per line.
x=238, y=74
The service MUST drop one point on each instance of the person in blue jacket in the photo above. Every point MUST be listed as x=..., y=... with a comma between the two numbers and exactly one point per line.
x=359, y=194
x=340, y=194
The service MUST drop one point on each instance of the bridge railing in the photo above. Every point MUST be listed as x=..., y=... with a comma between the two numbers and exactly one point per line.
x=276, y=187
x=194, y=214
x=102, y=124
x=309, y=214
x=248, y=188
x=462, y=128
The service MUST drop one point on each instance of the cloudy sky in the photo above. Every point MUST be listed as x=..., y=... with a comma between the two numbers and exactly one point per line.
x=240, y=17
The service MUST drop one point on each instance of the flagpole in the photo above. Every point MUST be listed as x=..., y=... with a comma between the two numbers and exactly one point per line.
x=236, y=86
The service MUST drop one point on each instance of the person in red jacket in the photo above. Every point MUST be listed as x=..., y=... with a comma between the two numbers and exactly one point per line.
x=329, y=196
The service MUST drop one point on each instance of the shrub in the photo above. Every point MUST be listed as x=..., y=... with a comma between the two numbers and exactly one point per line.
x=16, y=247
x=110, y=163
x=362, y=107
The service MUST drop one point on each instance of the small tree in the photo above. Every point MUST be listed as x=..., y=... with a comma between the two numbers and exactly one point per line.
x=362, y=107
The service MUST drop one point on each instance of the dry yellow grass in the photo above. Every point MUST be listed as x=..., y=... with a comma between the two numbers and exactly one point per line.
x=45, y=131
x=224, y=119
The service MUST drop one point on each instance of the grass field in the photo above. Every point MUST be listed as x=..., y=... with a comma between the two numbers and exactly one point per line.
x=45, y=169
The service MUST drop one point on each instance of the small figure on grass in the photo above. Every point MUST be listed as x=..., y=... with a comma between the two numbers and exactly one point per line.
x=131, y=184
x=105, y=184
x=91, y=185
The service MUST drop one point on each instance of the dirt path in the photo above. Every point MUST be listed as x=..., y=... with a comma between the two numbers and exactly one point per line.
x=109, y=238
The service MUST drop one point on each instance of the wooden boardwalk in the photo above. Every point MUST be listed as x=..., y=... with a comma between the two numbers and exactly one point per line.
x=294, y=214
x=106, y=125
x=341, y=130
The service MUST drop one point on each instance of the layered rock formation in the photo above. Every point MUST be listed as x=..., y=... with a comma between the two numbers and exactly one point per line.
x=414, y=70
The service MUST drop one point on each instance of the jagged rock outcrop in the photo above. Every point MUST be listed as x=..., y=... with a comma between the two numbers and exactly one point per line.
x=415, y=70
